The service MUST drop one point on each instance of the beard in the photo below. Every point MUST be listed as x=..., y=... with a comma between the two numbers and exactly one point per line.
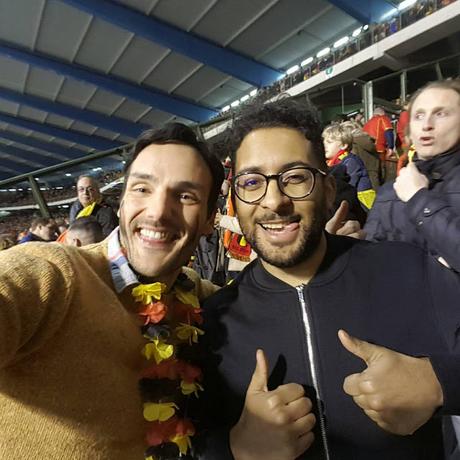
x=291, y=255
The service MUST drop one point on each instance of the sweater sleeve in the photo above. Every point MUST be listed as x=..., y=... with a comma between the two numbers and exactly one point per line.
x=35, y=293
x=438, y=222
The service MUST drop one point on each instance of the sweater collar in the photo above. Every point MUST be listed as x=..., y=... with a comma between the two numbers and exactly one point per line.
x=333, y=264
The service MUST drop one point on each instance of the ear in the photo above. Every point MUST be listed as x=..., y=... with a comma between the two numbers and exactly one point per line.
x=330, y=189
x=208, y=227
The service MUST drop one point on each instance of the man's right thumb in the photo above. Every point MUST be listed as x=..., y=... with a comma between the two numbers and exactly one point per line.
x=260, y=376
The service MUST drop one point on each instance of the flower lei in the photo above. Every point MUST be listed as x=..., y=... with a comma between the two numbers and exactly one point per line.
x=169, y=325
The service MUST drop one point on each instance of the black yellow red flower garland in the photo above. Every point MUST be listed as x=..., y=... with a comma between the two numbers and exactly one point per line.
x=170, y=324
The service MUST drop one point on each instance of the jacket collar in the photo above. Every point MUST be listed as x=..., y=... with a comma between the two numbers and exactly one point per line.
x=437, y=167
x=332, y=266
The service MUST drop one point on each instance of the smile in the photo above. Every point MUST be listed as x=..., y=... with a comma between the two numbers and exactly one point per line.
x=156, y=236
x=280, y=226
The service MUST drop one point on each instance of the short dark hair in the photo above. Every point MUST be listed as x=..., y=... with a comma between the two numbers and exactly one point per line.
x=282, y=113
x=178, y=133
x=88, y=225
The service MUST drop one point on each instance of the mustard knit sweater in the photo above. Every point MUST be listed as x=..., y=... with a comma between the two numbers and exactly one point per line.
x=70, y=356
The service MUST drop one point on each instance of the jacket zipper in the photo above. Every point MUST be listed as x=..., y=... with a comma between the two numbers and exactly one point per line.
x=313, y=367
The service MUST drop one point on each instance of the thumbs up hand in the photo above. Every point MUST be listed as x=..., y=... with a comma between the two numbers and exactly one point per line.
x=274, y=425
x=398, y=392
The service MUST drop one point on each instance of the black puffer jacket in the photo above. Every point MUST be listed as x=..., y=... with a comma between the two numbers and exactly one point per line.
x=431, y=218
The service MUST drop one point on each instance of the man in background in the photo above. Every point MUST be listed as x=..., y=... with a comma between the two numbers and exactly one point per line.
x=41, y=229
x=90, y=203
x=84, y=231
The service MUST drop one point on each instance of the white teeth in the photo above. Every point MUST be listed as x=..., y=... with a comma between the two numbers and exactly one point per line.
x=153, y=234
x=273, y=226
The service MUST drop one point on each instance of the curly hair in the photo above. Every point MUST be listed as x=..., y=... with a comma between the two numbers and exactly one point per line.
x=301, y=116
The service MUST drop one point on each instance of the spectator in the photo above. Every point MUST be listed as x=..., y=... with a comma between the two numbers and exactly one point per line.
x=91, y=203
x=422, y=207
x=84, y=231
x=41, y=229
x=380, y=129
x=78, y=372
x=364, y=147
x=6, y=242
x=305, y=286
x=337, y=145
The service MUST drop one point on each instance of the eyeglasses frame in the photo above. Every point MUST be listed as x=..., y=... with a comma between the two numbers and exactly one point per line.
x=277, y=176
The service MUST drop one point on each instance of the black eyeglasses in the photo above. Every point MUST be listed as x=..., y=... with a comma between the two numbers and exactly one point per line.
x=296, y=183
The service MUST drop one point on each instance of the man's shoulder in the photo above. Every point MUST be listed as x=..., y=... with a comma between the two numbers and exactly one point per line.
x=397, y=253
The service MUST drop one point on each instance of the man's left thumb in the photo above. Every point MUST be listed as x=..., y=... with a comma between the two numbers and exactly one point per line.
x=360, y=348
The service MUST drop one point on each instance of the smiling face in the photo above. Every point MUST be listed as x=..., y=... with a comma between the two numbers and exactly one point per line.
x=164, y=211
x=435, y=122
x=284, y=232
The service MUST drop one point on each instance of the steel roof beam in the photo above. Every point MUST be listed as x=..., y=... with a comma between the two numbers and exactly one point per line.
x=41, y=160
x=16, y=167
x=94, y=142
x=186, y=43
x=142, y=94
x=114, y=124
x=364, y=11
x=65, y=152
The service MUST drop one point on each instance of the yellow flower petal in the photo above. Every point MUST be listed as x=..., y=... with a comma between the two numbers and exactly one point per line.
x=182, y=442
x=188, y=332
x=145, y=293
x=189, y=388
x=187, y=297
x=158, y=350
x=159, y=411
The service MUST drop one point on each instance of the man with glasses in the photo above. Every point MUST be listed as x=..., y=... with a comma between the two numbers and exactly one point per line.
x=284, y=380
x=91, y=203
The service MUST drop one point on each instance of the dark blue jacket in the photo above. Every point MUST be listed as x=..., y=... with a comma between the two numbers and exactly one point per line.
x=348, y=292
x=431, y=218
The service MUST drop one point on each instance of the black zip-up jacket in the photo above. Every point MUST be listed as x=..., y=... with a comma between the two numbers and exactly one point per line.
x=390, y=294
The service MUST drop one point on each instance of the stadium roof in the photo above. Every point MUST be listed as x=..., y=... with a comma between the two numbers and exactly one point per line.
x=81, y=76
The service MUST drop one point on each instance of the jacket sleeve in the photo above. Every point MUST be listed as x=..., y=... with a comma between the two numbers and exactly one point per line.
x=373, y=228
x=445, y=290
x=354, y=170
x=35, y=294
x=439, y=223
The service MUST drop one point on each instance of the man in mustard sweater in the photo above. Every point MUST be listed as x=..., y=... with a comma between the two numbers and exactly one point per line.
x=71, y=341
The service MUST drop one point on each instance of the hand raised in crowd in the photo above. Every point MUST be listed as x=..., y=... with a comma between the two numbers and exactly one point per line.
x=338, y=225
x=398, y=392
x=409, y=182
x=274, y=425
